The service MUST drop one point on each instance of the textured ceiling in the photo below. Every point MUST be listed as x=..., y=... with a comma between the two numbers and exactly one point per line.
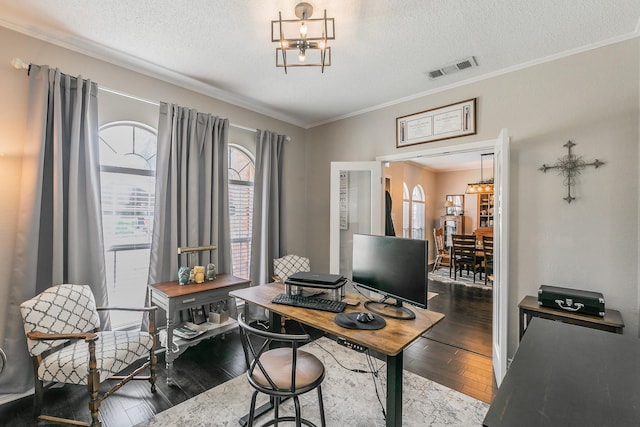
x=380, y=55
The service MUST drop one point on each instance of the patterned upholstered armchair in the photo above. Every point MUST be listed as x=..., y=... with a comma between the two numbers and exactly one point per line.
x=64, y=339
x=287, y=265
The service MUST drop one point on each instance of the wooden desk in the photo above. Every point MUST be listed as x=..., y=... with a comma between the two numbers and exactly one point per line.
x=529, y=308
x=565, y=375
x=390, y=340
x=173, y=297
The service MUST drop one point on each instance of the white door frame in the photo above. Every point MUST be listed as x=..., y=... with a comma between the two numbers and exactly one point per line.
x=501, y=255
x=500, y=300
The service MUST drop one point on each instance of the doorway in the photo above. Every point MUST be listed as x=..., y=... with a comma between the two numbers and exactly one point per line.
x=464, y=298
x=500, y=148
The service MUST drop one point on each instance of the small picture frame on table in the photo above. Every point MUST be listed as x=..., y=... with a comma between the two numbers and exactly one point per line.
x=198, y=315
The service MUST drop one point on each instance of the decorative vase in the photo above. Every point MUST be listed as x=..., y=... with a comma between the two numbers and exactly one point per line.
x=211, y=271
x=198, y=273
x=183, y=275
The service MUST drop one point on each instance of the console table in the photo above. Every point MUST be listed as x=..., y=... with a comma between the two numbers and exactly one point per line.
x=529, y=308
x=173, y=297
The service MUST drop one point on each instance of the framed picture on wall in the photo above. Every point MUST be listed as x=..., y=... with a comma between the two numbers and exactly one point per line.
x=450, y=121
x=454, y=204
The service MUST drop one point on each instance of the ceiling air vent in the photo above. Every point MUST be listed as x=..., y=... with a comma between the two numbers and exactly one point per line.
x=463, y=64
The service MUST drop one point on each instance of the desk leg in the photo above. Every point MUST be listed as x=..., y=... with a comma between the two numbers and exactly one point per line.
x=394, y=390
x=275, y=320
x=525, y=319
x=521, y=324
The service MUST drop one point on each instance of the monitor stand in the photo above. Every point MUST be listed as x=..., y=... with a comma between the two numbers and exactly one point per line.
x=393, y=311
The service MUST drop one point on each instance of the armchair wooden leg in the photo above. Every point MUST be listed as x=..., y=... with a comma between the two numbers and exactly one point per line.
x=93, y=383
x=152, y=353
x=37, y=399
x=152, y=371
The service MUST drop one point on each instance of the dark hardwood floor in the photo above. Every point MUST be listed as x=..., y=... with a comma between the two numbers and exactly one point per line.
x=455, y=353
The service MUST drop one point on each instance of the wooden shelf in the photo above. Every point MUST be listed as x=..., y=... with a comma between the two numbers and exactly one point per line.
x=213, y=330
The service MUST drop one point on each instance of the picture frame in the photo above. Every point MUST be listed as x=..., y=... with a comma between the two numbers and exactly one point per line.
x=457, y=200
x=449, y=121
x=198, y=315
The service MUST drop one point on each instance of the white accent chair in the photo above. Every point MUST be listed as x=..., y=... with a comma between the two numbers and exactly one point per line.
x=287, y=265
x=65, y=342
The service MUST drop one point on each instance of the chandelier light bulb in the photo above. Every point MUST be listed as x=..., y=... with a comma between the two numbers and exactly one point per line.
x=303, y=30
x=301, y=56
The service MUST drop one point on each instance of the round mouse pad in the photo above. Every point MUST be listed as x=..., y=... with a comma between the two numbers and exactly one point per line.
x=349, y=321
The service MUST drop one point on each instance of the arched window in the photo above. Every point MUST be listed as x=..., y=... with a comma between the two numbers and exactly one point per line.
x=127, y=172
x=241, y=179
x=406, y=209
x=417, y=212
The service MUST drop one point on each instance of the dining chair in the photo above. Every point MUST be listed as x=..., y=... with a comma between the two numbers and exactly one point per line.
x=277, y=367
x=66, y=344
x=487, y=264
x=443, y=255
x=465, y=256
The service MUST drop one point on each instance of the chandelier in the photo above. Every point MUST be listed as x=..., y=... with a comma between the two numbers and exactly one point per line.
x=305, y=38
x=484, y=185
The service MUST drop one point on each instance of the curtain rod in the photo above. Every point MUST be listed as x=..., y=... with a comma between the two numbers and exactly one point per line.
x=18, y=64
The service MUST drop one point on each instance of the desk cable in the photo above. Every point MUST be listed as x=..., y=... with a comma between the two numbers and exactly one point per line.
x=356, y=286
x=374, y=370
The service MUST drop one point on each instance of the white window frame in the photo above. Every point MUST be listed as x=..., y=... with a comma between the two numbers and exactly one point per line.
x=130, y=287
x=241, y=268
x=418, y=207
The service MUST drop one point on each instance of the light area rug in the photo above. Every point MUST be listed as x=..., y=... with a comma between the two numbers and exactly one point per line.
x=442, y=275
x=349, y=398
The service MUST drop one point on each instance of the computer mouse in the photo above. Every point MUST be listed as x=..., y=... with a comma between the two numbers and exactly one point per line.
x=365, y=317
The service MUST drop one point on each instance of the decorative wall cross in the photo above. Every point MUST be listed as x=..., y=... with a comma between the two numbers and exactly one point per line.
x=570, y=166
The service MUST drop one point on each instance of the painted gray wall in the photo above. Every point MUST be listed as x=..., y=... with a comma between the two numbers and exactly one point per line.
x=590, y=98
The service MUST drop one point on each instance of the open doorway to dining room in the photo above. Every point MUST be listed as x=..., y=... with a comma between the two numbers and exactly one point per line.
x=501, y=160
x=427, y=194
x=361, y=184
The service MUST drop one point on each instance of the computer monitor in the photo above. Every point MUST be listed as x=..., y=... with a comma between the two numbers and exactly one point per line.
x=394, y=267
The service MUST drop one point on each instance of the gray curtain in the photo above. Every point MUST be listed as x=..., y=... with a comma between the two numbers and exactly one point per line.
x=266, y=238
x=192, y=201
x=59, y=233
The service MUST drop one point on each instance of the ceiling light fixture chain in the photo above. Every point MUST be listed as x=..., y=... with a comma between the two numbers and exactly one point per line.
x=301, y=36
x=482, y=186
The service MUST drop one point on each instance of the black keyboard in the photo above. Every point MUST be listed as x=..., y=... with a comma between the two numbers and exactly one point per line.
x=310, y=302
